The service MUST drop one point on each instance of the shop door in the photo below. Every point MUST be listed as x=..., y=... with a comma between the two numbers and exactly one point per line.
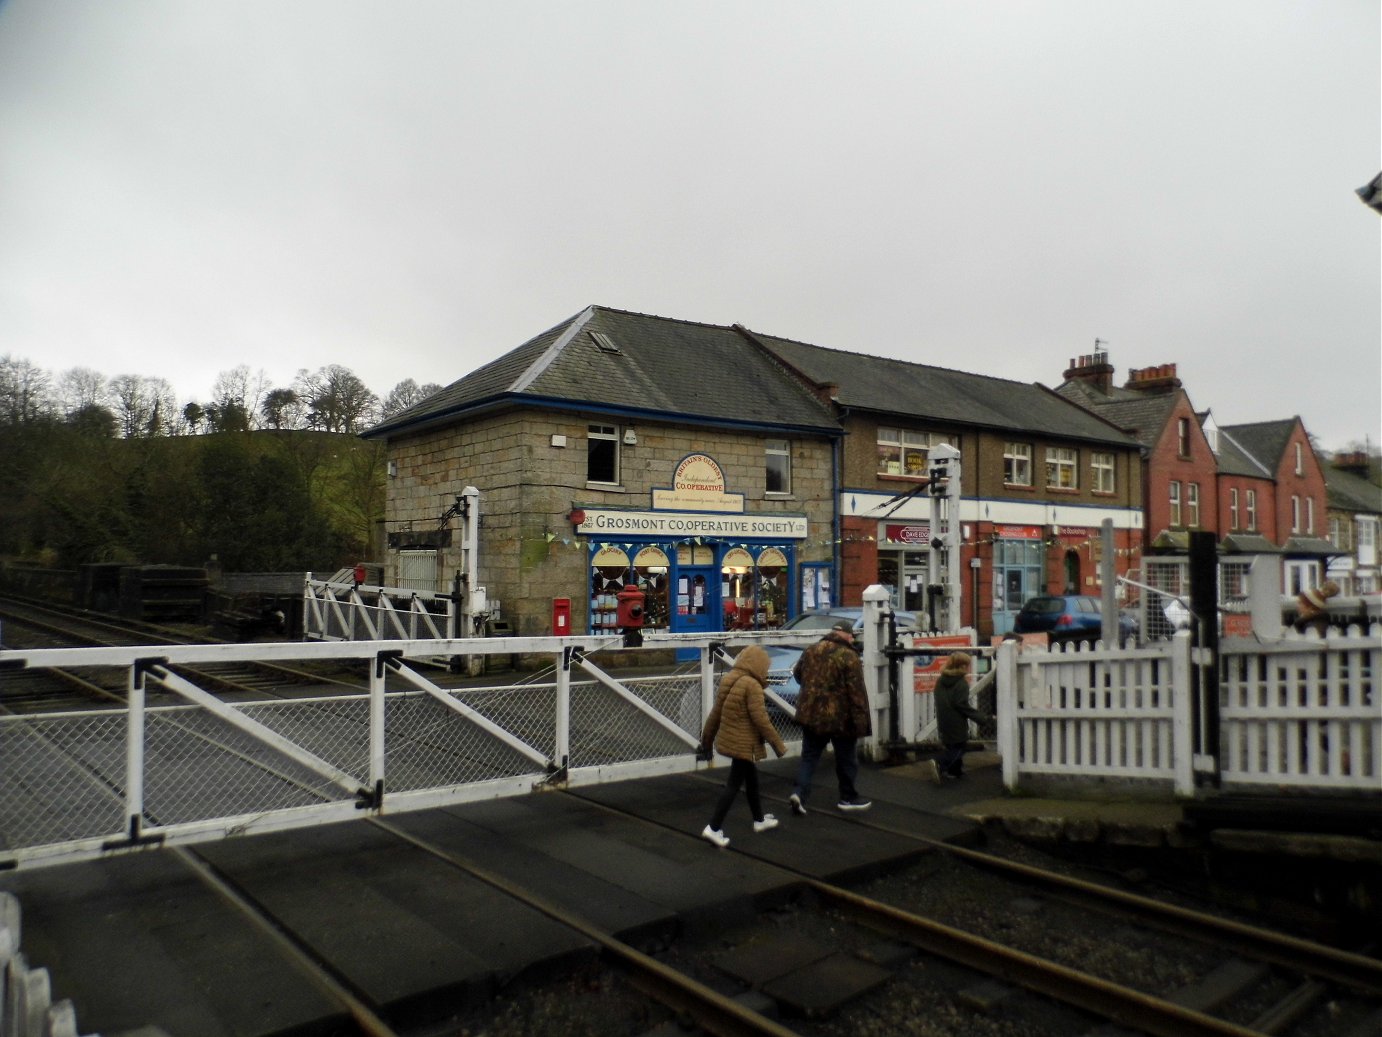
x=1017, y=576
x=697, y=607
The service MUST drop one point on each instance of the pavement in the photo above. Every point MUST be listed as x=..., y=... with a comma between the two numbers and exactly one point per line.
x=141, y=940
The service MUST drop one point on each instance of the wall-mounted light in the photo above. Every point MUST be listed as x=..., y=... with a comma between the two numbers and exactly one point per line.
x=630, y=437
x=393, y=469
x=558, y=439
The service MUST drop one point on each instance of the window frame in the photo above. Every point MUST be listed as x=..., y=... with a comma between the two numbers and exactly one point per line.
x=1233, y=507
x=777, y=448
x=1183, y=437
x=1173, y=500
x=1014, y=460
x=1062, y=460
x=1295, y=513
x=1192, y=505
x=1103, y=463
x=601, y=434
x=1251, y=511
x=909, y=449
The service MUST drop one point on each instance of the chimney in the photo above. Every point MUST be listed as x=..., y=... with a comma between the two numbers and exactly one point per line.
x=1355, y=462
x=1092, y=368
x=826, y=392
x=1153, y=379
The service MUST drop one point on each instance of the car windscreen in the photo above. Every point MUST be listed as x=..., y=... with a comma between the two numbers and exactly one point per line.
x=1044, y=606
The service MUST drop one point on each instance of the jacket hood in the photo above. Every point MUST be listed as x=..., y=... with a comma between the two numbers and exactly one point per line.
x=753, y=660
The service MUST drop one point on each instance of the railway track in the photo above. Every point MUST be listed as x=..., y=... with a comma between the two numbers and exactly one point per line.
x=1029, y=949
x=30, y=625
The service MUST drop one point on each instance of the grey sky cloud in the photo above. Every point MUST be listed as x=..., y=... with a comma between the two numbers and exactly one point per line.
x=412, y=189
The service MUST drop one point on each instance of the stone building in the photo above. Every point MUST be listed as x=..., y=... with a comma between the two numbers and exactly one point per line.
x=618, y=449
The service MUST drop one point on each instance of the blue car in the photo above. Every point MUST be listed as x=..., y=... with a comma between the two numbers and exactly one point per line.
x=781, y=658
x=1070, y=617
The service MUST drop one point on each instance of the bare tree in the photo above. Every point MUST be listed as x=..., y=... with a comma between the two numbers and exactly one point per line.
x=143, y=406
x=242, y=389
x=81, y=388
x=404, y=395
x=337, y=400
x=25, y=391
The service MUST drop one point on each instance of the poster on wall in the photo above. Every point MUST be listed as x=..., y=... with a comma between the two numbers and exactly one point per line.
x=815, y=587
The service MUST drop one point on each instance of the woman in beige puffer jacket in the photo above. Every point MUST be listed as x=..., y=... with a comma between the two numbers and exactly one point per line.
x=737, y=726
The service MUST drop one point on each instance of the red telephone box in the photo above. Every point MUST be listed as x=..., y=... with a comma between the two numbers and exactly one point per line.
x=561, y=616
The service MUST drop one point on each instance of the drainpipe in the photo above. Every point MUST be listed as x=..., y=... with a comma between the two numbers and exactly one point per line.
x=837, y=554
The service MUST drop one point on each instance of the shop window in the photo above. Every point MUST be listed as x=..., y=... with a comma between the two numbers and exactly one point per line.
x=1173, y=499
x=602, y=454
x=778, y=466
x=650, y=568
x=815, y=586
x=1017, y=464
x=903, y=452
x=609, y=572
x=1061, y=473
x=1101, y=470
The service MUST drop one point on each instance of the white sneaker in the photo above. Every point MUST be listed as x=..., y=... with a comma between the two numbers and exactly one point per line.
x=798, y=807
x=716, y=836
x=762, y=826
x=932, y=771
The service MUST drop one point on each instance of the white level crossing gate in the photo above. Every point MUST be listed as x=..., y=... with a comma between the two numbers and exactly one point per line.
x=189, y=766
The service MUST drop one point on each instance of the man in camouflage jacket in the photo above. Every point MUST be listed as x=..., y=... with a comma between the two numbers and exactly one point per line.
x=833, y=709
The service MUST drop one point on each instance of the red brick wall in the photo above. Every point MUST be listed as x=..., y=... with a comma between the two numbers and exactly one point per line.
x=1167, y=464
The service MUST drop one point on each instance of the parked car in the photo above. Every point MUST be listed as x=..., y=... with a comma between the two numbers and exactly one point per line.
x=781, y=658
x=1070, y=617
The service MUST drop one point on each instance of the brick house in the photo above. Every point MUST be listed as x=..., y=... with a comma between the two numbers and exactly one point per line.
x=1039, y=477
x=1355, y=523
x=1258, y=487
x=619, y=449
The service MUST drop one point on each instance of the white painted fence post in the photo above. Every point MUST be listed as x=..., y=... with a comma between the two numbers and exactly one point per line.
x=1182, y=725
x=1006, y=703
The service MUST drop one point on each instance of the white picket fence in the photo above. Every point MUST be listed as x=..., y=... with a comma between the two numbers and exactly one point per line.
x=27, y=1008
x=1301, y=713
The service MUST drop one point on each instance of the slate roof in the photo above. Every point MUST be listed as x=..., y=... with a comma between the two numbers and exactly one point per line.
x=1234, y=460
x=1142, y=414
x=639, y=365
x=1264, y=440
x=1349, y=492
x=887, y=386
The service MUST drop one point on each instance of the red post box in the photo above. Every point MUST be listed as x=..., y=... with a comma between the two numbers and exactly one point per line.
x=561, y=616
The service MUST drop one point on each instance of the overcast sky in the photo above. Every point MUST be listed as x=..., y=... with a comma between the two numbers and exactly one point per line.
x=411, y=189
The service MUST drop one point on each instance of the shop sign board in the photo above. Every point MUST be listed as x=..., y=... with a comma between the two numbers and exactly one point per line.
x=1017, y=532
x=919, y=535
x=928, y=667
x=698, y=483
x=678, y=525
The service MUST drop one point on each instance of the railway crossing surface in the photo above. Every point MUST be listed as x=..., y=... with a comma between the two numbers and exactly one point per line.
x=157, y=938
